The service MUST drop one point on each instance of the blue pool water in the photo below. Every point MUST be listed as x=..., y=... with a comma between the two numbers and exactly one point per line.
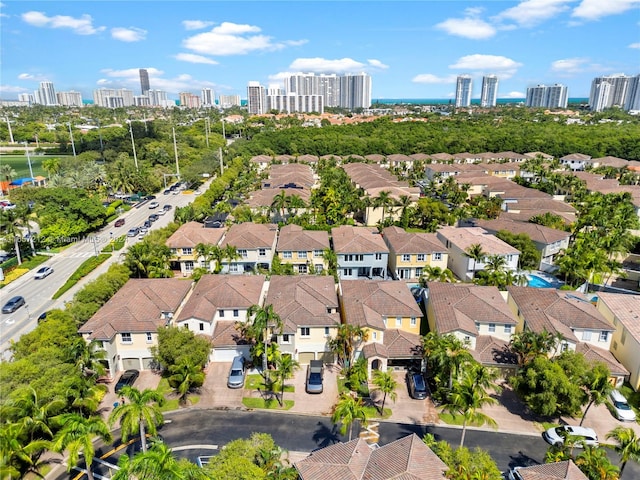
x=537, y=282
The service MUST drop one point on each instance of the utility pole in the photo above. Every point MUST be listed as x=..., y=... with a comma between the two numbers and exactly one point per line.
x=26, y=149
x=221, y=163
x=206, y=130
x=73, y=145
x=175, y=149
x=9, y=127
x=133, y=145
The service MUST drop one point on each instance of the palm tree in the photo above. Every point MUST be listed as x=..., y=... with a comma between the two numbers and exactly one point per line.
x=256, y=329
x=597, y=386
x=385, y=383
x=280, y=202
x=23, y=218
x=77, y=435
x=285, y=368
x=627, y=445
x=330, y=256
x=7, y=172
x=347, y=339
x=383, y=200
x=88, y=357
x=527, y=345
x=185, y=376
x=594, y=463
x=476, y=253
x=18, y=457
x=348, y=410
x=231, y=253
x=404, y=203
x=9, y=225
x=468, y=396
x=436, y=274
x=139, y=411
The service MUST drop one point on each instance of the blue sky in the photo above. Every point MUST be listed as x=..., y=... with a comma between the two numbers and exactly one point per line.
x=411, y=49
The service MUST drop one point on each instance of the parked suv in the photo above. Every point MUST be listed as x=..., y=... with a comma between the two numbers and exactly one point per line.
x=583, y=435
x=315, y=372
x=417, y=385
x=621, y=409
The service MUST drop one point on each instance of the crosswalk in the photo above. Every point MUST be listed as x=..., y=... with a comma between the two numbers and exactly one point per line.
x=82, y=255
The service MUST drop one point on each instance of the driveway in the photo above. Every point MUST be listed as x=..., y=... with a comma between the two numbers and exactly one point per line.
x=316, y=404
x=147, y=379
x=215, y=393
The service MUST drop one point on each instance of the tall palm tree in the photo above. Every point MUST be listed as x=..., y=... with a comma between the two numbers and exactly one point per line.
x=383, y=200
x=280, y=203
x=230, y=252
x=594, y=463
x=436, y=274
x=7, y=172
x=468, y=396
x=9, y=227
x=140, y=411
x=285, y=368
x=404, y=203
x=477, y=254
x=385, y=383
x=34, y=415
x=597, y=386
x=347, y=339
x=17, y=456
x=627, y=445
x=256, y=329
x=76, y=435
x=348, y=410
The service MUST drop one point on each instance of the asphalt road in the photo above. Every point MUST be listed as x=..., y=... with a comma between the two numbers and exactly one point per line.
x=38, y=293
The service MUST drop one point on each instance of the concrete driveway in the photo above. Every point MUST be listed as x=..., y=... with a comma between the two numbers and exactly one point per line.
x=215, y=393
x=147, y=379
x=316, y=404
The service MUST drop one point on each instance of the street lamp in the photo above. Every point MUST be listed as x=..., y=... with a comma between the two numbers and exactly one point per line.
x=26, y=149
x=73, y=145
x=206, y=129
x=9, y=127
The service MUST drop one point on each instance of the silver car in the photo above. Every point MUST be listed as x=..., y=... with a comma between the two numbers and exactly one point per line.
x=236, y=373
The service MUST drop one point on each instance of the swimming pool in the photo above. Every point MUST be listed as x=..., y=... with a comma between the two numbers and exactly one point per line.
x=537, y=282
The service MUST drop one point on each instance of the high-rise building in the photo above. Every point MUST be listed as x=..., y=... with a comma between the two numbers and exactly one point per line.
x=46, y=94
x=27, y=98
x=632, y=101
x=207, y=98
x=256, y=101
x=599, y=96
x=489, y=94
x=543, y=96
x=346, y=91
x=355, y=91
x=295, y=103
x=69, y=99
x=112, y=98
x=617, y=92
x=158, y=98
x=189, y=100
x=226, y=101
x=463, y=91
x=144, y=81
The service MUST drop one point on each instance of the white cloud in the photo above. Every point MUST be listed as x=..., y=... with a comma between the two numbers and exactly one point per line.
x=501, y=66
x=31, y=76
x=635, y=45
x=340, y=65
x=131, y=34
x=533, y=12
x=569, y=65
x=596, y=9
x=193, y=58
x=513, y=95
x=196, y=24
x=233, y=39
x=82, y=25
x=433, y=79
x=130, y=78
x=377, y=64
x=12, y=89
x=468, y=27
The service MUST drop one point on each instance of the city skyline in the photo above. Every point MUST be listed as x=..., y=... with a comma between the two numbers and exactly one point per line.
x=410, y=49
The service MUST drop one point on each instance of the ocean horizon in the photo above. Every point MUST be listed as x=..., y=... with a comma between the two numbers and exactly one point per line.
x=450, y=101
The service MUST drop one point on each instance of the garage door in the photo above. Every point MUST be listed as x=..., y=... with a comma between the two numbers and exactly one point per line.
x=327, y=357
x=131, y=364
x=147, y=363
x=305, y=357
x=228, y=354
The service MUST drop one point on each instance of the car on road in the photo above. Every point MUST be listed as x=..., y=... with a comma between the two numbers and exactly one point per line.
x=153, y=217
x=146, y=224
x=583, y=436
x=127, y=379
x=417, y=386
x=166, y=192
x=133, y=232
x=119, y=222
x=43, y=272
x=13, y=304
x=315, y=373
x=236, y=373
x=621, y=409
x=144, y=229
x=167, y=207
x=154, y=204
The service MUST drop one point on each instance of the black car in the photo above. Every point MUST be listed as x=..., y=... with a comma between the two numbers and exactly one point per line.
x=417, y=386
x=13, y=304
x=167, y=207
x=153, y=217
x=166, y=192
x=147, y=224
x=127, y=379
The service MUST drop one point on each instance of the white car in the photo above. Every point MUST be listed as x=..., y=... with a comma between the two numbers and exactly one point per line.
x=621, y=408
x=154, y=205
x=583, y=435
x=43, y=272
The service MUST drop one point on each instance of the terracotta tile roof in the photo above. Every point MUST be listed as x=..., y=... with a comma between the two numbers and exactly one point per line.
x=454, y=167
x=250, y=236
x=405, y=459
x=459, y=306
x=349, y=239
x=441, y=157
x=192, y=233
x=261, y=159
x=537, y=233
x=399, y=158
x=137, y=307
x=557, y=311
x=372, y=178
x=375, y=349
x=546, y=156
x=291, y=172
x=308, y=158
x=465, y=237
x=566, y=470
x=511, y=156
x=500, y=167
x=215, y=292
x=401, y=241
x=294, y=238
x=541, y=205
x=366, y=302
x=594, y=354
x=419, y=156
x=303, y=301
x=264, y=197
x=401, y=344
x=576, y=156
x=331, y=157
x=225, y=334
x=610, y=161
x=626, y=309
x=492, y=351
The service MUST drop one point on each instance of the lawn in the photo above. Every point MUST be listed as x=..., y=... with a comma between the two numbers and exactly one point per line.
x=270, y=404
x=171, y=403
x=21, y=165
x=457, y=420
x=256, y=382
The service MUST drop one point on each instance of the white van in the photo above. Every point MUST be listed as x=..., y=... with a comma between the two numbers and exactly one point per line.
x=621, y=408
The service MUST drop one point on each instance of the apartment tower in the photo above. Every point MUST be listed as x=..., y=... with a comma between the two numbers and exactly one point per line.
x=489, y=95
x=144, y=81
x=256, y=101
x=463, y=91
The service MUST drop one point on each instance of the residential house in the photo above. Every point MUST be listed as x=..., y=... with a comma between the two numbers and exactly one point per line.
x=575, y=161
x=308, y=307
x=183, y=244
x=507, y=170
x=608, y=161
x=459, y=240
x=378, y=307
x=361, y=252
x=408, y=458
x=410, y=253
x=565, y=470
x=622, y=311
x=261, y=161
x=304, y=249
x=255, y=244
x=127, y=325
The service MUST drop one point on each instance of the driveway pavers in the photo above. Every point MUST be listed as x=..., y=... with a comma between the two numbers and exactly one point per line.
x=214, y=393
x=316, y=404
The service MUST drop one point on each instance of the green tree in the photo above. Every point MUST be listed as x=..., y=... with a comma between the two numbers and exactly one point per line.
x=348, y=338
x=18, y=456
x=464, y=464
x=260, y=321
x=597, y=385
x=527, y=345
x=178, y=346
x=138, y=413
x=529, y=255
x=285, y=368
x=627, y=445
x=347, y=411
x=387, y=385
x=595, y=464
x=436, y=274
x=477, y=254
x=185, y=378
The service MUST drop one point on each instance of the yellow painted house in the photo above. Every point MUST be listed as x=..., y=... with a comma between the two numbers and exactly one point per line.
x=410, y=253
x=304, y=249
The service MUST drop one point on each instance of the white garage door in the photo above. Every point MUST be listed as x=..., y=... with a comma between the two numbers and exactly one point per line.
x=228, y=354
x=131, y=363
x=147, y=363
x=305, y=357
x=327, y=357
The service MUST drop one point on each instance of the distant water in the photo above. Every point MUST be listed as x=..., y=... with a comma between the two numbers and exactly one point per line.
x=449, y=101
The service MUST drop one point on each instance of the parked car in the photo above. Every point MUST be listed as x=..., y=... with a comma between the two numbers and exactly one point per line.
x=127, y=379
x=146, y=224
x=43, y=272
x=236, y=373
x=43, y=316
x=417, y=386
x=133, y=232
x=13, y=304
x=166, y=192
x=621, y=409
x=583, y=435
x=154, y=204
x=119, y=222
x=315, y=373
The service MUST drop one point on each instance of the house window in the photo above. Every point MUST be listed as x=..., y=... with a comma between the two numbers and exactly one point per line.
x=305, y=332
x=319, y=268
x=623, y=338
x=374, y=335
x=201, y=327
x=233, y=267
x=492, y=327
x=187, y=251
x=125, y=337
x=286, y=338
x=604, y=336
x=507, y=329
x=203, y=264
x=478, y=326
x=586, y=335
x=236, y=313
x=317, y=253
x=262, y=252
x=414, y=321
x=188, y=266
x=509, y=258
x=242, y=253
x=420, y=257
x=398, y=321
x=287, y=254
x=436, y=256
x=564, y=347
x=302, y=268
x=221, y=313
x=378, y=256
x=302, y=254
x=346, y=272
x=149, y=337
x=405, y=258
x=326, y=331
x=418, y=272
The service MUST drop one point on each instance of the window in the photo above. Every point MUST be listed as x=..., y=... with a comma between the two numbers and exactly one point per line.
x=187, y=251
x=420, y=257
x=378, y=256
x=149, y=337
x=188, y=266
x=405, y=258
x=326, y=331
x=262, y=252
x=305, y=332
x=507, y=329
x=319, y=267
x=221, y=313
x=418, y=272
x=201, y=327
x=203, y=264
x=492, y=327
x=236, y=312
x=564, y=347
x=242, y=253
x=586, y=335
x=414, y=321
x=317, y=253
x=436, y=256
x=398, y=321
x=287, y=254
x=125, y=337
x=286, y=338
x=302, y=254
x=604, y=336
x=347, y=272
x=374, y=335
x=302, y=268
x=509, y=258
x=233, y=267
